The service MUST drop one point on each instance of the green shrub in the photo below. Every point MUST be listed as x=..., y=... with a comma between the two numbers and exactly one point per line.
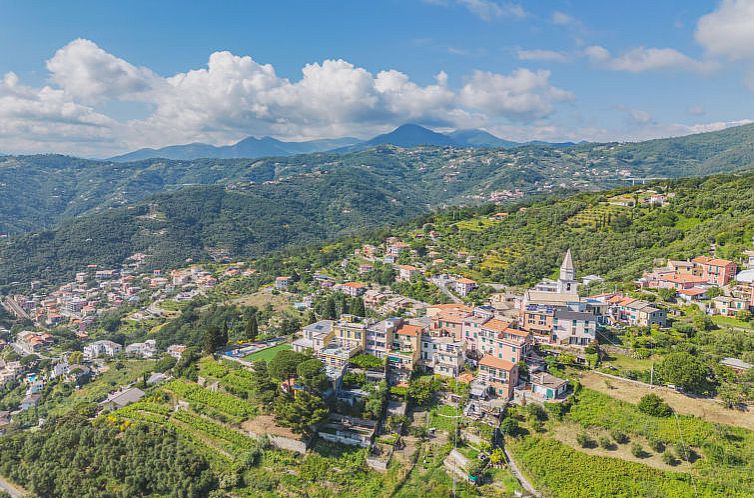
x=669, y=458
x=638, y=451
x=657, y=445
x=584, y=440
x=619, y=437
x=607, y=443
x=653, y=405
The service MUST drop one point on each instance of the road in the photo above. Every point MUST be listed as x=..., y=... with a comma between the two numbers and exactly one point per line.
x=441, y=284
x=514, y=469
x=10, y=488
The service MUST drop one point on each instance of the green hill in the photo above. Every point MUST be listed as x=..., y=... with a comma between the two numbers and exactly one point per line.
x=38, y=192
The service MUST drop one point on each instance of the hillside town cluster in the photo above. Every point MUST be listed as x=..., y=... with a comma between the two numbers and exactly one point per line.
x=496, y=340
x=498, y=337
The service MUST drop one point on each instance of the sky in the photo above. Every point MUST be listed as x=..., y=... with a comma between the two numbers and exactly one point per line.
x=99, y=78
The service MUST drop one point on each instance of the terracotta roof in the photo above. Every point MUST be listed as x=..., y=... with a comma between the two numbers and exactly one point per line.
x=355, y=285
x=513, y=331
x=490, y=361
x=465, y=281
x=694, y=291
x=407, y=267
x=682, y=278
x=410, y=330
x=495, y=325
x=719, y=262
x=465, y=378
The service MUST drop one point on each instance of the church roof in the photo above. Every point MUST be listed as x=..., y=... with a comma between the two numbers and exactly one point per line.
x=567, y=262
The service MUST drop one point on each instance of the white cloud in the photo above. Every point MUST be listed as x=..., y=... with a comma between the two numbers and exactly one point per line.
x=729, y=30
x=90, y=74
x=562, y=19
x=30, y=116
x=523, y=95
x=542, y=55
x=641, y=117
x=642, y=59
x=487, y=10
x=236, y=96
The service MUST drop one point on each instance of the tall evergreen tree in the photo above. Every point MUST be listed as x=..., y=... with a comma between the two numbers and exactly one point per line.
x=252, y=328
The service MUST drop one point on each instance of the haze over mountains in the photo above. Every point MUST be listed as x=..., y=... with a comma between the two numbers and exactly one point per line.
x=407, y=135
x=59, y=211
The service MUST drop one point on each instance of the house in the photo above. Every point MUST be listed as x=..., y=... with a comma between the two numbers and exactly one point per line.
x=442, y=355
x=365, y=268
x=176, y=350
x=405, y=350
x=379, y=336
x=716, y=271
x=146, y=349
x=34, y=341
x=351, y=431
x=30, y=401
x=547, y=386
x=693, y=294
x=463, y=286
x=314, y=336
x=728, y=305
x=354, y=289
x=498, y=376
x=407, y=272
x=281, y=283
x=572, y=327
x=101, y=348
x=121, y=398
x=680, y=281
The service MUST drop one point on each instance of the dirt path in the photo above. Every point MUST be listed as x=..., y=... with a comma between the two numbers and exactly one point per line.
x=10, y=488
x=631, y=391
x=518, y=475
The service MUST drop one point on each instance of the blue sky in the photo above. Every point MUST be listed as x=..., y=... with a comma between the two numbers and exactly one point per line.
x=95, y=78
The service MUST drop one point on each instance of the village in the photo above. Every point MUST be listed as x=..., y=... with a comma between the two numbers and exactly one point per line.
x=490, y=346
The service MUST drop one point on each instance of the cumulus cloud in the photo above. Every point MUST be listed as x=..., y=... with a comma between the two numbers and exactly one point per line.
x=729, y=30
x=523, y=94
x=88, y=73
x=236, y=96
x=30, y=115
x=542, y=55
x=642, y=59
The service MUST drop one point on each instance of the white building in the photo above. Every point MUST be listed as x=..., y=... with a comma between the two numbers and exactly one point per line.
x=101, y=348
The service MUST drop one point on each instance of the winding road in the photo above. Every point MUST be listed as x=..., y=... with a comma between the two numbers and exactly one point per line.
x=10, y=488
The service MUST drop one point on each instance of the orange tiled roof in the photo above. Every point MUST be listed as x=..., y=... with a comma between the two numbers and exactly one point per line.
x=354, y=285
x=409, y=330
x=682, y=278
x=495, y=325
x=490, y=361
x=465, y=281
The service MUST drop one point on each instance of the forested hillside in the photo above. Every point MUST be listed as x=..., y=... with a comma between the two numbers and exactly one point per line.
x=38, y=192
x=197, y=222
x=615, y=241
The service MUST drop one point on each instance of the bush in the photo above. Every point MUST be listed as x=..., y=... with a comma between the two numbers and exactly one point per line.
x=584, y=440
x=607, y=443
x=653, y=405
x=657, y=445
x=509, y=426
x=669, y=458
x=619, y=437
x=684, y=452
x=638, y=451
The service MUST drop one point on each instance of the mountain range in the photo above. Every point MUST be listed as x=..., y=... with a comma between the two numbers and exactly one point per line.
x=407, y=135
x=57, y=211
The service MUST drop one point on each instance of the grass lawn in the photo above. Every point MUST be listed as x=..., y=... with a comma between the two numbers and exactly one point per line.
x=267, y=354
x=443, y=418
x=728, y=321
x=628, y=363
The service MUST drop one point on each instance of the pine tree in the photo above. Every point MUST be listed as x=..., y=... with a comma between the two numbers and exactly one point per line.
x=252, y=328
